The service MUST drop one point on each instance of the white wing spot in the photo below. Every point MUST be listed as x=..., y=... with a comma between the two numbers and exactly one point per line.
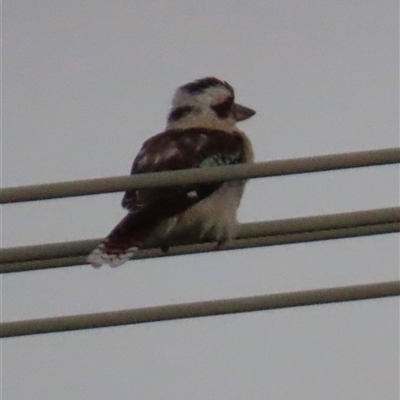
x=192, y=194
x=143, y=161
x=171, y=151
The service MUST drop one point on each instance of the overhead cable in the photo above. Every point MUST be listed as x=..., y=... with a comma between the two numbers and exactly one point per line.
x=268, y=233
x=200, y=309
x=200, y=175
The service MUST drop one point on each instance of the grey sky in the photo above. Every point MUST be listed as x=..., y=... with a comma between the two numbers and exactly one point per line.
x=85, y=83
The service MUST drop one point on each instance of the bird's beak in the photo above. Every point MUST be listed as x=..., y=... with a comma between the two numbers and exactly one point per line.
x=241, y=112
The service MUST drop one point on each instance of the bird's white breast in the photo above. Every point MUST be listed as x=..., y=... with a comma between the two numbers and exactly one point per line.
x=212, y=219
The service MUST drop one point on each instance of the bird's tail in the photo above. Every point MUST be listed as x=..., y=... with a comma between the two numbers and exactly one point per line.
x=120, y=245
x=129, y=235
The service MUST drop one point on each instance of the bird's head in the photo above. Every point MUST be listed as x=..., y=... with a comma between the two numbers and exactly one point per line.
x=206, y=103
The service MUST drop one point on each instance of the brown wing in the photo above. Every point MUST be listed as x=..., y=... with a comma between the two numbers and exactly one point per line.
x=171, y=150
x=174, y=150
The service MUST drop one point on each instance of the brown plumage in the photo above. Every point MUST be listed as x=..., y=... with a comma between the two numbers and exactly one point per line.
x=165, y=216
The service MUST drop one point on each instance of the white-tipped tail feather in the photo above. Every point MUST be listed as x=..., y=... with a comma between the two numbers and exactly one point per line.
x=99, y=256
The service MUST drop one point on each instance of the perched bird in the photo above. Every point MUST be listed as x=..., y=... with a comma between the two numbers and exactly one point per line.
x=201, y=132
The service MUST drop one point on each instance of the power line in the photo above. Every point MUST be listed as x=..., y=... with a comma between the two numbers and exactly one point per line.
x=267, y=233
x=200, y=309
x=303, y=237
x=293, y=230
x=198, y=175
x=247, y=230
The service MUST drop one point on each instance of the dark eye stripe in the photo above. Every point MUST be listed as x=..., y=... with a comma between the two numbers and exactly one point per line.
x=223, y=109
x=179, y=113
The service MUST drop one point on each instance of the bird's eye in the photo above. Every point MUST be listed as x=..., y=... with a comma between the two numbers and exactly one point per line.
x=223, y=108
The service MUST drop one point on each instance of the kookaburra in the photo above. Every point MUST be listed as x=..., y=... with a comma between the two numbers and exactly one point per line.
x=201, y=132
